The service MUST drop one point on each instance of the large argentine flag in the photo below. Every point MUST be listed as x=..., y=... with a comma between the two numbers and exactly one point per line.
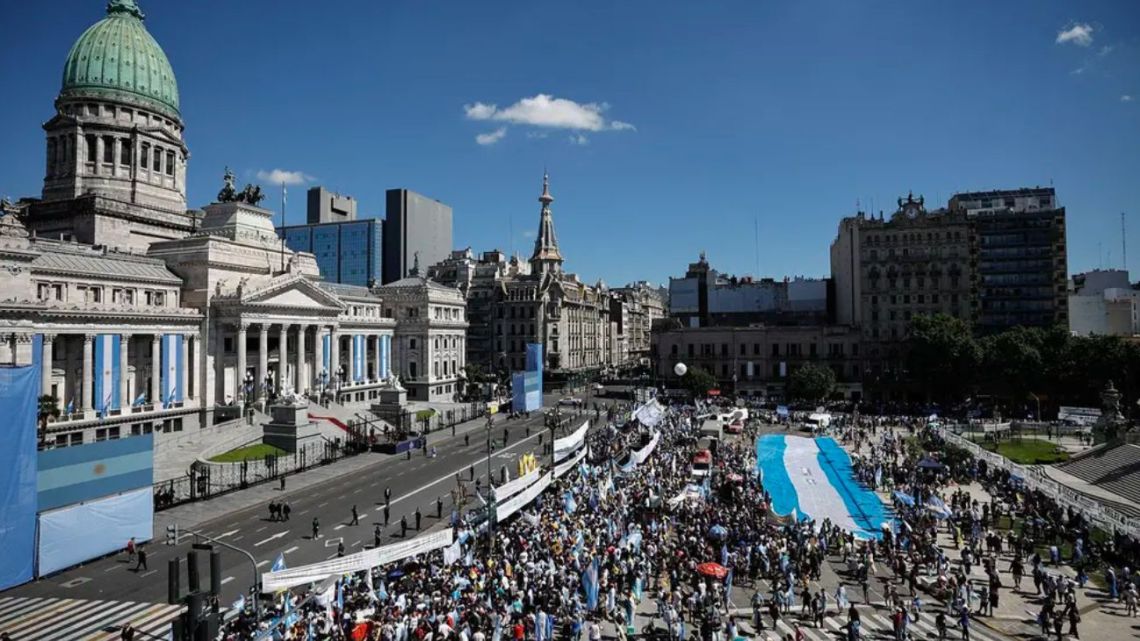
x=326, y=352
x=385, y=355
x=171, y=370
x=813, y=477
x=106, y=383
x=358, y=354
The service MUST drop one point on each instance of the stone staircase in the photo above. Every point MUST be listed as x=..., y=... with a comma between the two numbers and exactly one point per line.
x=174, y=454
x=1114, y=469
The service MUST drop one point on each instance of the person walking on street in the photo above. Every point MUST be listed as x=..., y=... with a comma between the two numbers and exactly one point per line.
x=285, y=510
x=355, y=517
x=340, y=549
x=418, y=517
x=376, y=535
x=386, y=516
x=316, y=528
x=404, y=526
x=142, y=561
x=131, y=550
x=387, y=496
x=439, y=507
x=282, y=483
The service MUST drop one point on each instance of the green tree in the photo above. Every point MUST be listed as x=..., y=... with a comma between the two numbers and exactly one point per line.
x=48, y=408
x=1013, y=365
x=698, y=381
x=942, y=356
x=811, y=382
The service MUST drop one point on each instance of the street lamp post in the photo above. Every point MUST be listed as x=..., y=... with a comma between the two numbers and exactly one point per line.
x=490, y=491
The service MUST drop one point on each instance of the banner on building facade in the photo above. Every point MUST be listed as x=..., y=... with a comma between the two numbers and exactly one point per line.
x=105, y=392
x=358, y=355
x=172, y=356
x=326, y=352
x=385, y=356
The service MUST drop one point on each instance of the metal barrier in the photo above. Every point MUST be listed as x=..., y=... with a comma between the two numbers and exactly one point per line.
x=1035, y=479
x=208, y=479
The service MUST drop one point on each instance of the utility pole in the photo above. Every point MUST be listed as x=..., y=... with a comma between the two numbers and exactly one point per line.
x=252, y=561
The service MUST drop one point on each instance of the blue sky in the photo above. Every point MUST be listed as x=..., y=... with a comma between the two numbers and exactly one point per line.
x=667, y=127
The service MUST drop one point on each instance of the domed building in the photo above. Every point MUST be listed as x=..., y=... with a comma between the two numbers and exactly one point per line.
x=144, y=316
x=116, y=160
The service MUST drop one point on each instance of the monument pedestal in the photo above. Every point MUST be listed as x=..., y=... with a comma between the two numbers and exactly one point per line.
x=290, y=428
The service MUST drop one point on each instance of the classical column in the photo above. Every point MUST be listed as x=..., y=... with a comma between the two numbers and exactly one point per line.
x=156, y=370
x=125, y=373
x=45, y=364
x=350, y=368
x=242, y=335
x=262, y=361
x=88, y=370
x=282, y=357
x=334, y=355
x=318, y=352
x=191, y=355
x=375, y=340
x=299, y=375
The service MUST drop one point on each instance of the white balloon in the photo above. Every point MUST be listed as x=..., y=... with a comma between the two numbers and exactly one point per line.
x=679, y=369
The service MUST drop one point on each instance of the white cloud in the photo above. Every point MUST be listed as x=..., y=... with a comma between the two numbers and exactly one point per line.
x=284, y=177
x=537, y=134
x=479, y=111
x=491, y=137
x=1126, y=98
x=1078, y=71
x=1078, y=33
x=579, y=139
x=1105, y=50
x=618, y=125
x=544, y=110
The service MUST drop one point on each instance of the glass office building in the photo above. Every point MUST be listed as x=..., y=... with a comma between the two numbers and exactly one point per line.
x=350, y=252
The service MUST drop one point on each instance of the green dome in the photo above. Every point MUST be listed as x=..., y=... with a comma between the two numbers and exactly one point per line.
x=117, y=59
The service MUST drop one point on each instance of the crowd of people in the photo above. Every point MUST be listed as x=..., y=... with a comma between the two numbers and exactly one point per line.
x=613, y=535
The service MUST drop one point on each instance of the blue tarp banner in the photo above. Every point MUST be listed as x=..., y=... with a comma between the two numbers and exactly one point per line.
x=70, y=475
x=18, y=387
x=72, y=535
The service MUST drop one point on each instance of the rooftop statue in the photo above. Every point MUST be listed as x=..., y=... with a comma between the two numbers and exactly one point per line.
x=227, y=194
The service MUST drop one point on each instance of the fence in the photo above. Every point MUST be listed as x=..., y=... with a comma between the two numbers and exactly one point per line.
x=1034, y=478
x=207, y=479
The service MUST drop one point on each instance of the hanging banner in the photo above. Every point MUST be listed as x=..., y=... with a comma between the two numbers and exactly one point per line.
x=565, y=446
x=649, y=414
x=521, y=499
x=326, y=351
x=171, y=370
x=385, y=349
x=365, y=560
x=565, y=466
x=513, y=487
x=105, y=392
x=452, y=553
x=639, y=456
x=358, y=356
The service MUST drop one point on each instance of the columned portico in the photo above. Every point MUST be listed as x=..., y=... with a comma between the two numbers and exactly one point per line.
x=319, y=355
x=349, y=374
x=124, y=371
x=334, y=357
x=45, y=372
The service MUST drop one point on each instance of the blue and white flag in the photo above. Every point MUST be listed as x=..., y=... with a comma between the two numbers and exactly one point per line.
x=105, y=392
x=590, y=585
x=140, y=400
x=568, y=500
x=279, y=563
x=358, y=354
x=71, y=406
x=239, y=605
x=172, y=370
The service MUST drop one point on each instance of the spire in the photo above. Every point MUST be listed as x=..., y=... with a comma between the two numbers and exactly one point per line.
x=546, y=257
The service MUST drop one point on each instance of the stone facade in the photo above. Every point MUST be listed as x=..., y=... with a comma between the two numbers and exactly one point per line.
x=149, y=317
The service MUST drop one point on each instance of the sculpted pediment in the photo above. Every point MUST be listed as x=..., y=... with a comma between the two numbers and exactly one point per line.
x=288, y=291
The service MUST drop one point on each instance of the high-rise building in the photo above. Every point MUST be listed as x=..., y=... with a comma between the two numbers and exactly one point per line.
x=417, y=229
x=349, y=252
x=325, y=206
x=1104, y=302
x=1017, y=246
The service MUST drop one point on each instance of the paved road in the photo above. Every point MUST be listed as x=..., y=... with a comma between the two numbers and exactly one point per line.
x=414, y=483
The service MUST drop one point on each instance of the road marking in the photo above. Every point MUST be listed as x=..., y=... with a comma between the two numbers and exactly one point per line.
x=275, y=536
x=322, y=504
x=339, y=527
x=238, y=538
x=356, y=491
x=227, y=580
x=262, y=563
x=331, y=542
x=74, y=582
x=261, y=529
x=146, y=574
x=355, y=543
x=224, y=535
x=291, y=550
x=111, y=569
x=339, y=496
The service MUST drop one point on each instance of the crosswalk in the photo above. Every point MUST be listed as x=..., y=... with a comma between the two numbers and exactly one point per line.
x=874, y=625
x=53, y=619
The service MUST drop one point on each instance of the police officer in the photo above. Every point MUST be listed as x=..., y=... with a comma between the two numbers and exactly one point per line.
x=387, y=495
x=340, y=549
x=386, y=516
x=418, y=517
x=316, y=528
x=377, y=534
x=439, y=507
x=355, y=516
x=404, y=526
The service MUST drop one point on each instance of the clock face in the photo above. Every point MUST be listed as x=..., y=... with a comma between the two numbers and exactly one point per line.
x=911, y=212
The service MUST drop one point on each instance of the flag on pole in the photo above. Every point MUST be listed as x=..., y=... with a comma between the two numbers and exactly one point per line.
x=239, y=605
x=140, y=400
x=590, y=585
x=71, y=406
x=279, y=563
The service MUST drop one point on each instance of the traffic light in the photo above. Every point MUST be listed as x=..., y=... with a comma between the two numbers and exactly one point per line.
x=172, y=534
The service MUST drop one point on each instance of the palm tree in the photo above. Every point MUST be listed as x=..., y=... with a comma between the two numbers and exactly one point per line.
x=48, y=409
